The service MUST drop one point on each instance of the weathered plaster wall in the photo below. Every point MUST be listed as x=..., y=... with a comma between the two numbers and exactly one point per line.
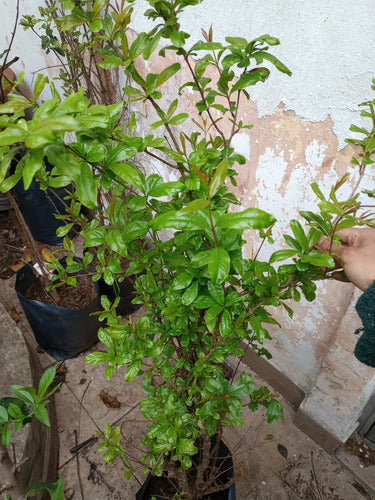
x=327, y=46
x=300, y=124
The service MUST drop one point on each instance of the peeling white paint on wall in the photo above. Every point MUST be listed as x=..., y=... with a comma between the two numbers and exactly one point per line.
x=332, y=66
x=241, y=144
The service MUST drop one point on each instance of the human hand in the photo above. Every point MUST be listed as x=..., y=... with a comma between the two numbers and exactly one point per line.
x=357, y=254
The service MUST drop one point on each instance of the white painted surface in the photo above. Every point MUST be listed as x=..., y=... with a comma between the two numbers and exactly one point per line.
x=26, y=45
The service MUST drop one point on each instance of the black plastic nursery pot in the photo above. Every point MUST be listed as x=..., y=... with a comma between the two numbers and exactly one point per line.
x=61, y=332
x=160, y=487
x=39, y=208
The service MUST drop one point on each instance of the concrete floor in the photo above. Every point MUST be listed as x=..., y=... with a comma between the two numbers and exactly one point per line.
x=290, y=466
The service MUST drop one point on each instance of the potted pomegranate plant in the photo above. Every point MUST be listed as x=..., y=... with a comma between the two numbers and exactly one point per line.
x=183, y=236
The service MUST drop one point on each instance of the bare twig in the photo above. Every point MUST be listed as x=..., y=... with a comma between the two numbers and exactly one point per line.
x=314, y=476
x=6, y=64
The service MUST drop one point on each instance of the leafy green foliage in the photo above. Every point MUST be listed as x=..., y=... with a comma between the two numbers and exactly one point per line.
x=183, y=236
x=55, y=490
x=28, y=403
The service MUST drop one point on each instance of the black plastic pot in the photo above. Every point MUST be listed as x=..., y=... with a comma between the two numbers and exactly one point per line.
x=61, y=332
x=125, y=291
x=153, y=483
x=38, y=208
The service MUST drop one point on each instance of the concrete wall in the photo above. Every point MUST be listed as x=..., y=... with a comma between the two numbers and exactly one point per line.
x=300, y=124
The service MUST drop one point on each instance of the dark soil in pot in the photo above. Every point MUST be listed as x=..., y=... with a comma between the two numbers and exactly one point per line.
x=61, y=331
x=74, y=298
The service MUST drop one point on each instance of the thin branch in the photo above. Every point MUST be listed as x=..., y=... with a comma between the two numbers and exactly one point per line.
x=8, y=52
x=162, y=160
x=186, y=57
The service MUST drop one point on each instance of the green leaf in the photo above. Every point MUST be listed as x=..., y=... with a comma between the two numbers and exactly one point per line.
x=248, y=79
x=226, y=326
x=219, y=178
x=331, y=208
x=64, y=230
x=299, y=234
x=116, y=243
x=167, y=73
x=96, y=153
x=354, y=128
x=274, y=60
x=238, y=41
x=178, y=119
x=133, y=92
x=15, y=411
x=270, y=40
x=108, y=276
x=186, y=446
x=206, y=46
x=182, y=280
x=95, y=25
x=33, y=163
x=12, y=135
x=3, y=415
x=178, y=38
x=5, y=436
x=120, y=153
x=317, y=258
x=10, y=182
x=96, y=358
x=204, y=302
x=212, y=316
x=251, y=218
x=128, y=174
x=94, y=237
x=282, y=255
x=190, y=294
x=241, y=388
x=194, y=206
x=86, y=186
x=75, y=103
x=317, y=191
x=46, y=380
x=218, y=265
x=41, y=414
x=216, y=292
x=292, y=242
x=274, y=411
x=166, y=189
x=132, y=370
x=201, y=259
x=15, y=105
x=39, y=85
x=136, y=229
x=175, y=220
x=139, y=45
x=214, y=386
x=259, y=331
x=172, y=108
x=56, y=490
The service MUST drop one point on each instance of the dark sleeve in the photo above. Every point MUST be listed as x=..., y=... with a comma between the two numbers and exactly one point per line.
x=365, y=348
